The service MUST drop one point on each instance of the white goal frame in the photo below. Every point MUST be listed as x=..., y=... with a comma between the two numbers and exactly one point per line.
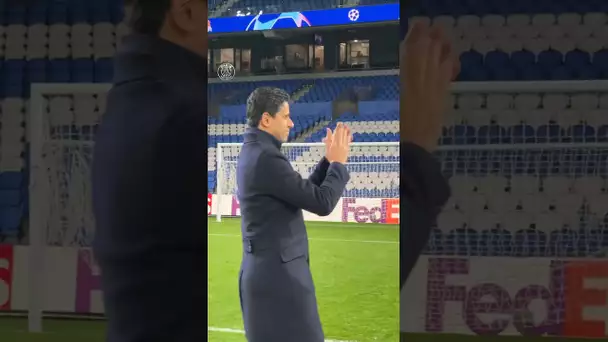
x=37, y=243
x=219, y=163
x=36, y=138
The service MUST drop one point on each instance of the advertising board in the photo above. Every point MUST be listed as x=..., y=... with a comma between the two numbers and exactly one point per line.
x=474, y=296
x=355, y=210
x=507, y=296
x=294, y=20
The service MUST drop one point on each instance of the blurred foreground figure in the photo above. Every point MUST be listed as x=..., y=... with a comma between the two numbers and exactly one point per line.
x=428, y=66
x=149, y=177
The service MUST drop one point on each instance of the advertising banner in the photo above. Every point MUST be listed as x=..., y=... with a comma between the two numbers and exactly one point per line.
x=473, y=296
x=6, y=276
x=354, y=210
x=370, y=210
x=294, y=20
x=507, y=296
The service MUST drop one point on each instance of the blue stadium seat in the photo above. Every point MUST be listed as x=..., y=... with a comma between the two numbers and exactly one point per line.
x=10, y=198
x=37, y=13
x=58, y=13
x=528, y=54
x=60, y=71
x=37, y=71
x=83, y=70
x=530, y=242
x=11, y=180
x=104, y=70
x=562, y=243
x=495, y=242
x=10, y=220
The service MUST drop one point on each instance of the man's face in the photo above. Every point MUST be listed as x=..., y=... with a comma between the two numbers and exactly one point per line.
x=190, y=19
x=279, y=125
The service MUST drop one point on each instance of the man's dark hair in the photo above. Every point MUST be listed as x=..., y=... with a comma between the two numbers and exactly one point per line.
x=264, y=100
x=146, y=16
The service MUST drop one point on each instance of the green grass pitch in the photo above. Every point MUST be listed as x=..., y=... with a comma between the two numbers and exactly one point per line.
x=356, y=272
x=355, y=268
x=13, y=330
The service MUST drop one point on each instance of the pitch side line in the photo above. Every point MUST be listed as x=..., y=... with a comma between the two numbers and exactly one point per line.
x=323, y=239
x=319, y=224
x=237, y=331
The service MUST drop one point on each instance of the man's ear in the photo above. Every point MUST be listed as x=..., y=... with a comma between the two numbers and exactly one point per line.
x=264, y=119
x=180, y=15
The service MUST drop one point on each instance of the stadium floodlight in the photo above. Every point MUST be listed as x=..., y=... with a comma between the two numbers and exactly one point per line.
x=373, y=166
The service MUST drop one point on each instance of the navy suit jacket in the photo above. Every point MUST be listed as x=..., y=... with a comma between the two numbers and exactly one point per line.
x=276, y=287
x=424, y=192
x=149, y=193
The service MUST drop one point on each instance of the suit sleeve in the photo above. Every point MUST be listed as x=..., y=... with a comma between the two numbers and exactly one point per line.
x=184, y=147
x=278, y=179
x=318, y=174
x=424, y=191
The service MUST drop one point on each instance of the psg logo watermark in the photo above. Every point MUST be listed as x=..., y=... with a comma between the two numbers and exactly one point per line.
x=226, y=71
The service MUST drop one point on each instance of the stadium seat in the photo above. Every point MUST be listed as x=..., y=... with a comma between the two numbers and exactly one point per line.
x=506, y=202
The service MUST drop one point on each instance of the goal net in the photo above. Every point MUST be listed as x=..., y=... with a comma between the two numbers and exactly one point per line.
x=522, y=239
x=62, y=124
x=373, y=167
x=537, y=200
x=520, y=247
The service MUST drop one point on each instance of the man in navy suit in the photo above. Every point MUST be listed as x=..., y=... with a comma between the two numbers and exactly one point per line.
x=276, y=288
x=149, y=183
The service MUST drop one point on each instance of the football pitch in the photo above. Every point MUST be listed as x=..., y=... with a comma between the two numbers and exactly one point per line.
x=355, y=268
x=356, y=272
x=14, y=330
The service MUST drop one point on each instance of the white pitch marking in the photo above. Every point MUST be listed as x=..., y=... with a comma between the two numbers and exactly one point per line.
x=323, y=239
x=350, y=225
x=238, y=331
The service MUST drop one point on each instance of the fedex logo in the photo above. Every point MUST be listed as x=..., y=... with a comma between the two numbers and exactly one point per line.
x=235, y=207
x=586, y=301
x=6, y=276
x=370, y=210
x=569, y=304
x=88, y=281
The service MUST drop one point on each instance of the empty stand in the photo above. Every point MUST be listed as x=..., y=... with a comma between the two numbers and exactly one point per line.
x=516, y=199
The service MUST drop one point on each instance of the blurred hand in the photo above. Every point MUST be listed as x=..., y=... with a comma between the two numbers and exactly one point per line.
x=328, y=138
x=339, y=147
x=428, y=65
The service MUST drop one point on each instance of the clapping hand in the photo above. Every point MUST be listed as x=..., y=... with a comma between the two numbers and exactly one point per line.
x=428, y=66
x=337, y=143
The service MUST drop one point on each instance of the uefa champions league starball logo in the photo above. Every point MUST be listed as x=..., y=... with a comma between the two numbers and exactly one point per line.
x=226, y=71
x=296, y=18
x=353, y=14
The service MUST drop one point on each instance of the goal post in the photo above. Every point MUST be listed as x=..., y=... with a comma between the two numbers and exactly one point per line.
x=374, y=168
x=59, y=204
x=59, y=182
x=519, y=214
